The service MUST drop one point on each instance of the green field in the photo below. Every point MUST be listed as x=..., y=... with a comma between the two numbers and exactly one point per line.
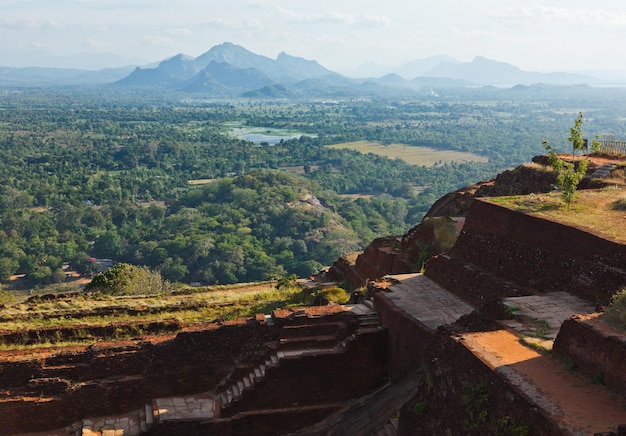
x=413, y=155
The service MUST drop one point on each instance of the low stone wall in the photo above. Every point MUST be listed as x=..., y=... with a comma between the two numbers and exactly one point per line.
x=595, y=348
x=255, y=423
x=407, y=337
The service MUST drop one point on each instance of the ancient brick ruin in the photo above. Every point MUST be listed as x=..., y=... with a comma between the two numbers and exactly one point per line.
x=456, y=345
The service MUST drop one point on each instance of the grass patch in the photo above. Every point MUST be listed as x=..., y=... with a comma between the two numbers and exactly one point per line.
x=592, y=211
x=84, y=311
x=198, y=182
x=424, y=156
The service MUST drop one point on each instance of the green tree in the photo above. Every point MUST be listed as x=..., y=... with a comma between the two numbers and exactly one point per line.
x=576, y=135
x=569, y=174
x=8, y=267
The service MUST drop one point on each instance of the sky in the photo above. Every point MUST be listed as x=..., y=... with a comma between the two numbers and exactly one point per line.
x=534, y=35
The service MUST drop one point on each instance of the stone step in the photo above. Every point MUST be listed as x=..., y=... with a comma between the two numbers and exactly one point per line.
x=307, y=341
x=192, y=407
x=247, y=382
x=128, y=424
x=603, y=171
x=235, y=391
x=149, y=415
x=259, y=372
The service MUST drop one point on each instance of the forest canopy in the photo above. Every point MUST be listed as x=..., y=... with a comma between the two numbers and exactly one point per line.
x=161, y=181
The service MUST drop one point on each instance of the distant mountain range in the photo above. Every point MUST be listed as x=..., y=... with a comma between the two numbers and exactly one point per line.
x=228, y=70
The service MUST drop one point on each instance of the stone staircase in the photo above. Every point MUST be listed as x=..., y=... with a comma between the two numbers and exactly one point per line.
x=604, y=171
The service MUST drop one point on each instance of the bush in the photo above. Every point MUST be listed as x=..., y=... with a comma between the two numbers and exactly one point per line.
x=335, y=295
x=615, y=314
x=620, y=204
x=126, y=279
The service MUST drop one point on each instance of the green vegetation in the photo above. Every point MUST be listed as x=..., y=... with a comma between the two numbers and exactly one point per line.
x=125, y=279
x=569, y=174
x=158, y=181
x=475, y=400
x=81, y=318
x=594, y=210
x=507, y=427
x=334, y=295
x=615, y=313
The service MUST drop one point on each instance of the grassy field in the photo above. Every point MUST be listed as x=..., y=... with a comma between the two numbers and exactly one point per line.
x=601, y=211
x=87, y=318
x=424, y=156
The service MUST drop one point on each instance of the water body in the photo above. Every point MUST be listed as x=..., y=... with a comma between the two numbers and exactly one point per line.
x=258, y=138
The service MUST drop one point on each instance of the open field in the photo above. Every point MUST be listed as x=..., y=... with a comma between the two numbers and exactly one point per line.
x=413, y=155
x=202, y=181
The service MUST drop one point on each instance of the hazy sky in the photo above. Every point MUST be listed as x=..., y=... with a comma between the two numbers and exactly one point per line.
x=532, y=34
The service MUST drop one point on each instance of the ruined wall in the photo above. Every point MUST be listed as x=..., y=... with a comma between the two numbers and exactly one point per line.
x=595, y=348
x=535, y=253
x=322, y=378
x=460, y=395
x=254, y=423
x=97, y=382
x=407, y=337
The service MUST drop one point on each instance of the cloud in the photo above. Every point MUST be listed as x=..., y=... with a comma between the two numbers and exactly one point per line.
x=27, y=23
x=158, y=39
x=564, y=16
x=249, y=24
x=179, y=31
x=334, y=17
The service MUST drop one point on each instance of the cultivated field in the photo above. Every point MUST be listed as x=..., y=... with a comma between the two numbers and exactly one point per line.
x=413, y=155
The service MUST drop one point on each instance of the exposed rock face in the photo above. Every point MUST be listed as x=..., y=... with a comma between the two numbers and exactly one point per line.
x=437, y=231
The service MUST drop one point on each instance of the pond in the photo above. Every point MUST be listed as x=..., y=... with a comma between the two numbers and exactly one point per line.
x=263, y=134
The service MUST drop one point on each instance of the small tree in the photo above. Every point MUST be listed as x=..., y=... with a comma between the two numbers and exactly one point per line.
x=576, y=135
x=569, y=175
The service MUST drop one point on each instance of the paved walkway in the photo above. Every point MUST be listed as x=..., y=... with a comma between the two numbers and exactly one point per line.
x=539, y=317
x=580, y=406
x=426, y=301
x=182, y=408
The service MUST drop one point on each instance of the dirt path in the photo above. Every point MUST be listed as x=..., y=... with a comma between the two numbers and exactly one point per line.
x=580, y=405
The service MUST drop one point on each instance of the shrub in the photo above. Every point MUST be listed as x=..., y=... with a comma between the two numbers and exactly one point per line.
x=620, y=204
x=615, y=314
x=126, y=279
x=335, y=295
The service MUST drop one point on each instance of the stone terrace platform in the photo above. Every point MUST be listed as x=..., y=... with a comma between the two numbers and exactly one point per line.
x=425, y=300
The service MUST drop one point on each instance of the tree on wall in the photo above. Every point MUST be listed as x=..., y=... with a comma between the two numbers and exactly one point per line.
x=569, y=174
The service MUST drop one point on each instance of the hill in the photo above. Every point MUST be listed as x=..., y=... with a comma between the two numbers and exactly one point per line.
x=188, y=74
